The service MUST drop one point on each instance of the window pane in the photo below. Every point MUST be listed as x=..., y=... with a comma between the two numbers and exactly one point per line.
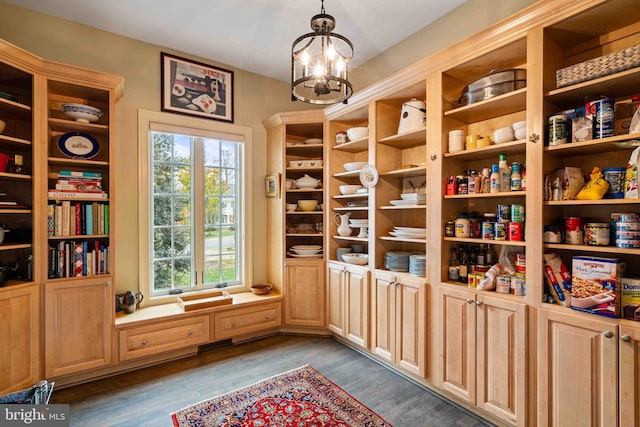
x=162, y=278
x=161, y=210
x=162, y=147
x=162, y=178
x=182, y=210
x=182, y=242
x=211, y=152
x=161, y=242
x=183, y=273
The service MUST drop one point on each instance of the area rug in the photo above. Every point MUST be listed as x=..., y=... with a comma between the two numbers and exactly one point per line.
x=301, y=398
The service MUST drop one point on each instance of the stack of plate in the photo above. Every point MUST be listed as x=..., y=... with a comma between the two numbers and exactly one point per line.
x=397, y=261
x=409, y=233
x=306, y=251
x=410, y=199
x=418, y=265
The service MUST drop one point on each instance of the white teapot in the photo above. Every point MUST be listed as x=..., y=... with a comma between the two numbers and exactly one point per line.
x=344, y=229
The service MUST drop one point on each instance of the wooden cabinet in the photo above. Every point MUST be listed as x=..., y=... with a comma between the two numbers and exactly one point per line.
x=578, y=355
x=304, y=290
x=482, y=351
x=398, y=317
x=629, y=368
x=240, y=321
x=78, y=323
x=19, y=337
x=348, y=302
x=162, y=337
x=295, y=149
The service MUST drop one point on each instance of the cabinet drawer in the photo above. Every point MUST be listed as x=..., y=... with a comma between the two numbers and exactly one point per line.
x=161, y=337
x=232, y=323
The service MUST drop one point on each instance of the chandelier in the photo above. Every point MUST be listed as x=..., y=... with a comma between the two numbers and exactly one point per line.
x=319, y=63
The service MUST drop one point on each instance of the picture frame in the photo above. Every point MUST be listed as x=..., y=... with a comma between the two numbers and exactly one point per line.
x=196, y=89
x=272, y=186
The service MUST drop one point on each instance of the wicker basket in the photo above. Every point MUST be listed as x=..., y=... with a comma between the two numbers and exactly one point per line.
x=598, y=67
x=263, y=289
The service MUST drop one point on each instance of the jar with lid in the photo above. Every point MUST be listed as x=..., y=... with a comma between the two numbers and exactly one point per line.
x=463, y=226
x=18, y=164
x=473, y=182
x=516, y=177
x=488, y=220
x=450, y=228
x=474, y=225
x=485, y=181
x=462, y=182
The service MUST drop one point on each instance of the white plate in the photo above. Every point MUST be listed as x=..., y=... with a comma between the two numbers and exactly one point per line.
x=369, y=176
x=413, y=196
x=206, y=103
x=408, y=235
x=313, y=141
x=303, y=247
x=305, y=256
x=407, y=202
x=411, y=230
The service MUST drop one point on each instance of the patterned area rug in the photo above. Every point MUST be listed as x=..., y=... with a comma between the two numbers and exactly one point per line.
x=301, y=398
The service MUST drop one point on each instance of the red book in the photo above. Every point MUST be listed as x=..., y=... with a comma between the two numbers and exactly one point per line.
x=78, y=262
x=78, y=219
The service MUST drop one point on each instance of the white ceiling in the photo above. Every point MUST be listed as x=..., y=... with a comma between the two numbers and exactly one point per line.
x=252, y=35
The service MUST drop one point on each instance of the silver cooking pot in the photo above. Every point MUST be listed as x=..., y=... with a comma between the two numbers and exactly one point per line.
x=497, y=82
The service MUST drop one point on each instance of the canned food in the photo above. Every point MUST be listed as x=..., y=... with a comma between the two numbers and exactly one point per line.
x=627, y=243
x=603, y=117
x=481, y=269
x=515, y=231
x=517, y=286
x=503, y=284
x=558, y=129
x=552, y=234
x=472, y=280
x=573, y=230
x=504, y=213
x=627, y=226
x=521, y=263
x=487, y=230
x=624, y=217
x=615, y=179
x=596, y=234
x=500, y=231
x=627, y=235
x=517, y=213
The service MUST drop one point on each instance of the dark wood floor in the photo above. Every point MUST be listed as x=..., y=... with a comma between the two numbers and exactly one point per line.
x=148, y=396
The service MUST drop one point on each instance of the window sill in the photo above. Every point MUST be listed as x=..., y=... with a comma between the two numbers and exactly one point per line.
x=173, y=310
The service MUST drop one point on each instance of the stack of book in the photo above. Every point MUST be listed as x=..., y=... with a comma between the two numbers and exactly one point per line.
x=78, y=184
x=67, y=218
x=75, y=258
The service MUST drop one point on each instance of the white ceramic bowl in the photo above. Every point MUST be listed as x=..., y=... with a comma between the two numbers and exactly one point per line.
x=349, y=189
x=307, y=205
x=319, y=247
x=354, y=166
x=82, y=113
x=359, y=222
x=519, y=125
x=2, y=126
x=291, y=207
x=413, y=196
x=306, y=251
x=358, y=259
x=503, y=135
x=520, y=133
x=307, y=182
x=357, y=133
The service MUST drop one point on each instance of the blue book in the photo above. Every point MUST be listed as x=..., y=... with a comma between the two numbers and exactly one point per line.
x=80, y=173
x=89, y=218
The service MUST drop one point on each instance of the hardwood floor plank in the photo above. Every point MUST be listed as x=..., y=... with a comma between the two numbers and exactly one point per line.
x=147, y=397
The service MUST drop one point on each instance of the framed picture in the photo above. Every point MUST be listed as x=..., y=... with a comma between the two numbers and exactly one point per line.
x=272, y=186
x=196, y=89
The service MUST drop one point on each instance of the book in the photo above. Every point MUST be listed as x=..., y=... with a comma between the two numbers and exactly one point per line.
x=66, y=214
x=58, y=221
x=55, y=194
x=78, y=214
x=89, y=215
x=80, y=174
x=51, y=219
x=78, y=259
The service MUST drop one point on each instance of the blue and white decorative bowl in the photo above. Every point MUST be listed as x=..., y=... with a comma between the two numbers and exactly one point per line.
x=82, y=113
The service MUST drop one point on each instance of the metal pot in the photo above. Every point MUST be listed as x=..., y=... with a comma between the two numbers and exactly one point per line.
x=497, y=82
x=413, y=116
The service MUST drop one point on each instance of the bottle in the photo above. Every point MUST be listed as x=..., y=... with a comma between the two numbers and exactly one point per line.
x=18, y=164
x=481, y=257
x=454, y=266
x=516, y=177
x=494, y=179
x=490, y=256
x=485, y=181
x=523, y=184
x=463, y=268
x=473, y=186
x=505, y=173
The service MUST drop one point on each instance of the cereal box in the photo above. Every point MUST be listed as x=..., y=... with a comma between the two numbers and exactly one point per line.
x=596, y=284
x=630, y=291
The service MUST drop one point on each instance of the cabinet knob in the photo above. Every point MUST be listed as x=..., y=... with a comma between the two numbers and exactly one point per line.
x=433, y=157
x=267, y=317
x=189, y=333
x=107, y=284
x=608, y=334
x=144, y=342
x=478, y=303
x=469, y=301
x=233, y=324
x=625, y=338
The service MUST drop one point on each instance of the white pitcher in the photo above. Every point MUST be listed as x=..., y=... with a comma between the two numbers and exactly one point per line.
x=344, y=229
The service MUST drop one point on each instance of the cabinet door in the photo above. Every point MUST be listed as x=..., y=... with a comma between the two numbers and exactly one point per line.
x=457, y=342
x=383, y=313
x=19, y=338
x=357, y=306
x=578, y=366
x=335, y=298
x=501, y=358
x=410, y=325
x=78, y=322
x=304, y=293
x=629, y=376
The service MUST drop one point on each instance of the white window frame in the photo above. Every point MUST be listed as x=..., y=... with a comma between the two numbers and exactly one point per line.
x=147, y=121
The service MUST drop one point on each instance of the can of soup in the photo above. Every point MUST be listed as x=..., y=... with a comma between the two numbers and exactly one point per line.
x=603, y=117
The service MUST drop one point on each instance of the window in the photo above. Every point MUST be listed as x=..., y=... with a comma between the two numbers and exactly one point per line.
x=194, y=204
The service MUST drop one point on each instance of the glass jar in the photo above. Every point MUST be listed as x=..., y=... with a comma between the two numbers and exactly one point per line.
x=463, y=226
